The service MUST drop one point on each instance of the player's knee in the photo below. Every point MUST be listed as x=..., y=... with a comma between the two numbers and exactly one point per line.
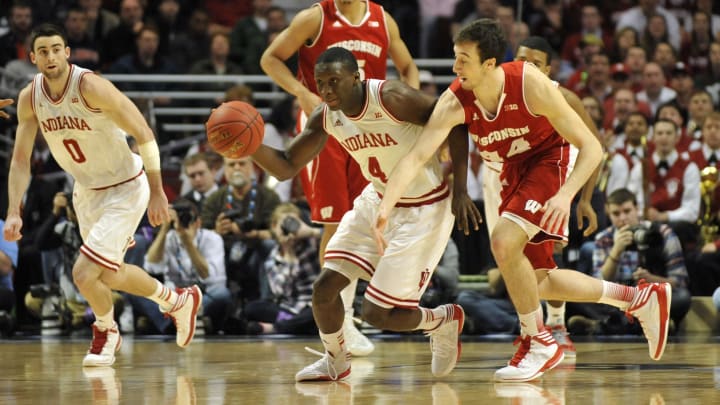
x=327, y=287
x=82, y=277
x=375, y=315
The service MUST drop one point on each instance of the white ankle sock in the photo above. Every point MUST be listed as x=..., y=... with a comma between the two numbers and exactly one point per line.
x=163, y=296
x=334, y=342
x=532, y=324
x=555, y=315
x=617, y=295
x=105, y=322
x=432, y=318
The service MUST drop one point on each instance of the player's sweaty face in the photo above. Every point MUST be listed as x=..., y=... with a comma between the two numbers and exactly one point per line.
x=334, y=83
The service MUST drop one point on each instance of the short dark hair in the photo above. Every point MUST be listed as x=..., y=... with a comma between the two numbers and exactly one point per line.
x=490, y=38
x=674, y=125
x=338, y=54
x=46, y=30
x=538, y=44
x=621, y=196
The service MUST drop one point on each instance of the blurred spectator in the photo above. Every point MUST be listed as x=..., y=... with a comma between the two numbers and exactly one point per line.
x=696, y=50
x=596, y=111
x=17, y=74
x=192, y=44
x=216, y=64
x=187, y=254
x=625, y=39
x=617, y=109
x=655, y=91
x=480, y=9
x=279, y=129
x=249, y=38
x=597, y=82
x=202, y=179
x=435, y=17
x=427, y=83
x=665, y=56
x=99, y=20
x=12, y=44
x=590, y=23
x=682, y=82
x=671, y=112
x=628, y=153
x=699, y=108
x=122, y=39
x=638, y=18
x=635, y=60
x=590, y=45
x=225, y=14
x=705, y=6
x=655, y=32
x=84, y=50
x=491, y=311
x=170, y=24
x=289, y=271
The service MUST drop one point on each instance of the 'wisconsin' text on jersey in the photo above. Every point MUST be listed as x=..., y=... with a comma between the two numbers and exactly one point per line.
x=65, y=122
x=356, y=45
x=362, y=141
x=500, y=135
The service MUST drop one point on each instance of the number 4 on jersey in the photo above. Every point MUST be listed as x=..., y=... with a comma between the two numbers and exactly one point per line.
x=375, y=169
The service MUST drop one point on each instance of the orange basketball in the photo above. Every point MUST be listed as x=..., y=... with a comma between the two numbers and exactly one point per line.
x=235, y=129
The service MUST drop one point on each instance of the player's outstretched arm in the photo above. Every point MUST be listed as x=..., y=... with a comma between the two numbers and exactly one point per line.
x=305, y=26
x=286, y=164
x=467, y=215
x=100, y=93
x=19, y=176
x=400, y=55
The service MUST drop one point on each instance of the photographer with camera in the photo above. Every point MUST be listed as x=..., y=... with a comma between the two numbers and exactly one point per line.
x=240, y=212
x=631, y=251
x=185, y=254
x=289, y=272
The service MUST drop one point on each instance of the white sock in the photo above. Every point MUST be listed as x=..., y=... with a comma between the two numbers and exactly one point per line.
x=105, y=322
x=532, y=324
x=163, y=296
x=334, y=342
x=432, y=318
x=618, y=295
x=555, y=315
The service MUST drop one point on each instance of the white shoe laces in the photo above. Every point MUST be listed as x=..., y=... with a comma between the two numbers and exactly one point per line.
x=332, y=372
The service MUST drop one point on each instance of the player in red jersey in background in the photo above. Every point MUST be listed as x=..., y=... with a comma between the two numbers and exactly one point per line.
x=517, y=116
x=333, y=180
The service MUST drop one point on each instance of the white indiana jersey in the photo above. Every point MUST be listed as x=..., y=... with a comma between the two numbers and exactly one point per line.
x=85, y=142
x=377, y=141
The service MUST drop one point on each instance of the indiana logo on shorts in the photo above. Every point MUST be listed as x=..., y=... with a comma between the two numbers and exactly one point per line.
x=424, y=276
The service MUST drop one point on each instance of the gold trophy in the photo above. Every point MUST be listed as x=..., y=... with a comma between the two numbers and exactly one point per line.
x=708, y=182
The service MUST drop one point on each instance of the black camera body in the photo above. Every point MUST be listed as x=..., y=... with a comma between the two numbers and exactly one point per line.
x=648, y=241
x=240, y=218
x=290, y=225
x=185, y=214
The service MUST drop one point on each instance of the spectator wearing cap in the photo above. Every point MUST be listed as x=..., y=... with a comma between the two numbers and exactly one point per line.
x=682, y=82
x=655, y=92
x=638, y=17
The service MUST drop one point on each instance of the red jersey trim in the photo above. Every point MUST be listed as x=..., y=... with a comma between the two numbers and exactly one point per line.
x=438, y=194
x=389, y=299
x=65, y=89
x=122, y=182
x=347, y=22
x=82, y=97
x=360, y=262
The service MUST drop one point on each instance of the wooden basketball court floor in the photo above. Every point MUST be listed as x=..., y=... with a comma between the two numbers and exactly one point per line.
x=261, y=371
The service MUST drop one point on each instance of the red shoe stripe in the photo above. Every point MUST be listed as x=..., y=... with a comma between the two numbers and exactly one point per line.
x=663, y=302
x=194, y=290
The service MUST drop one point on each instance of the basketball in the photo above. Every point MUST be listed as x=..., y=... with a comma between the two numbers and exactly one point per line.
x=235, y=129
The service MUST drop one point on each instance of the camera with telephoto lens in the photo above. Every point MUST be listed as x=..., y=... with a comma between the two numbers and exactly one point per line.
x=290, y=225
x=240, y=218
x=648, y=242
x=185, y=213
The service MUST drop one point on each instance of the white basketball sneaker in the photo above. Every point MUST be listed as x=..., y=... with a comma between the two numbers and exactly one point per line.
x=445, y=341
x=651, y=306
x=535, y=355
x=103, y=347
x=357, y=343
x=184, y=314
x=328, y=368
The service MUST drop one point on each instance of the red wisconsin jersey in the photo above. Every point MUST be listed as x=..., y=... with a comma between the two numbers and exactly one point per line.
x=512, y=133
x=368, y=41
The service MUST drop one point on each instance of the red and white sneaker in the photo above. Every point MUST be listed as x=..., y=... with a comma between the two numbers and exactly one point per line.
x=536, y=355
x=445, y=341
x=328, y=368
x=562, y=337
x=184, y=314
x=651, y=306
x=103, y=347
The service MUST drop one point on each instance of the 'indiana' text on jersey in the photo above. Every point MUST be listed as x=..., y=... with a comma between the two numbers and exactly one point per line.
x=65, y=122
x=500, y=135
x=362, y=141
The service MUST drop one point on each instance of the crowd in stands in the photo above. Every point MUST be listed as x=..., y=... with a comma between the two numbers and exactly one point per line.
x=647, y=71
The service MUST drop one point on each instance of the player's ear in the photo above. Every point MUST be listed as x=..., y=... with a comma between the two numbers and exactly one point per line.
x=489, y=63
